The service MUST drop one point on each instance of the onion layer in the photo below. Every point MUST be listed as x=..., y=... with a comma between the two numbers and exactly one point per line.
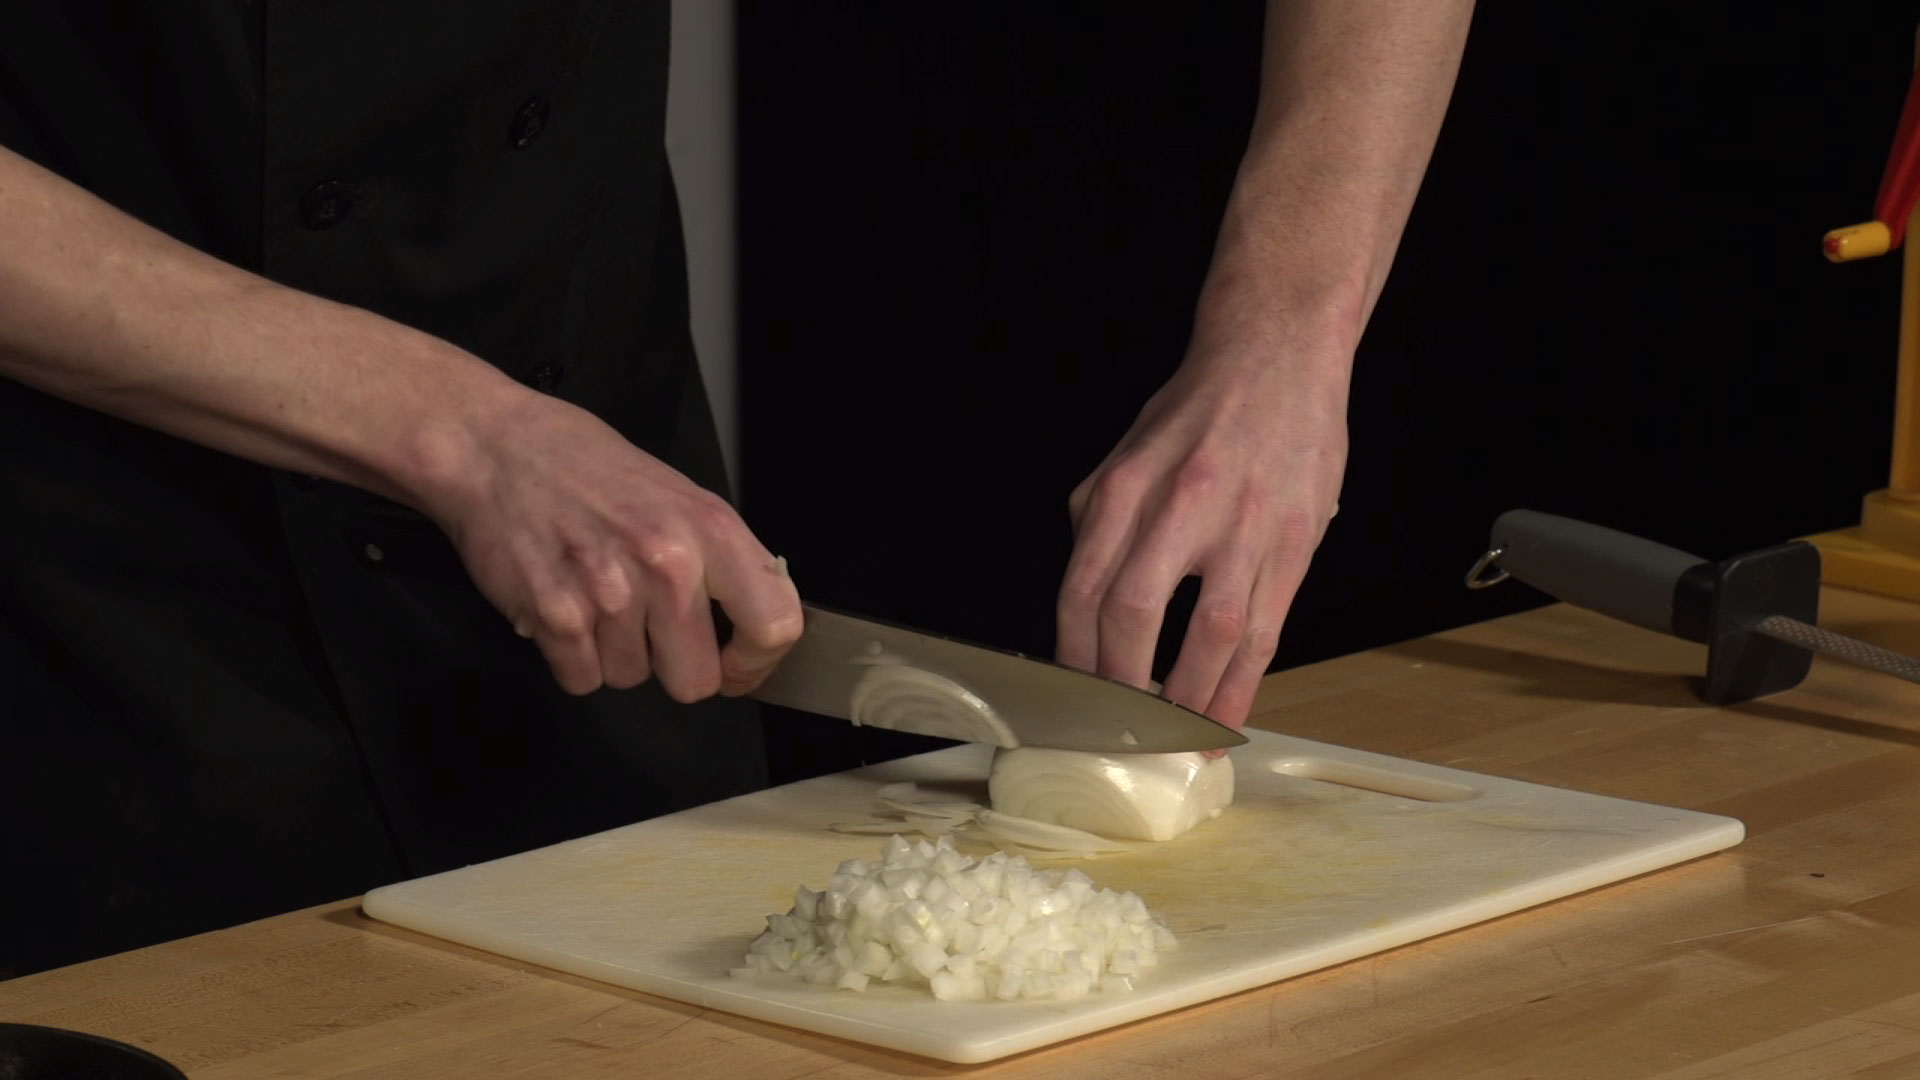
x=1122, y=796
x=888, y=693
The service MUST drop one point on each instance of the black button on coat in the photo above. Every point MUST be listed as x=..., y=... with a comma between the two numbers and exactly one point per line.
x=529, y=120
x=215, y=705
x=326, y=204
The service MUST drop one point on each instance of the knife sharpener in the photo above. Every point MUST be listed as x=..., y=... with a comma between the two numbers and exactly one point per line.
x=1718, y=604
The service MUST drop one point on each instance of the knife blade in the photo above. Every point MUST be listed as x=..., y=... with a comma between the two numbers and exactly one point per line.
x=1022, y=700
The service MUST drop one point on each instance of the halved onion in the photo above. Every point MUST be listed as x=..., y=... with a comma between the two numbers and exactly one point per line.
x=1122, y=796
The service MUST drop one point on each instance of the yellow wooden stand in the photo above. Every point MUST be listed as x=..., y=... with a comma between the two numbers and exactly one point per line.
x=1882, y=555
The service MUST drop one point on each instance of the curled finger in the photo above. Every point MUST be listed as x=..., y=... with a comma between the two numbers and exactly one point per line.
x=1133, y=609
x=1215, y=632
x=753, y=588
x=557, y=614
x=620, y=627
x=680, y=631
x=563, y=629
x=1239, y=684
x=1104, y=528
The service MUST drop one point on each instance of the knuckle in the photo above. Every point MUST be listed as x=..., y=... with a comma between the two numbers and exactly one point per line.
x=1129, y=607
x=668, y=559
x=611, y=589
x=624, y=680
x=712, y=515
x=579, y=682
x=780, y=631
x=623, y=660
x=1077, y=501
x=1198, y=474
x=1252, y=508
x=772, y=626
x=1222, y=623
x=1123, y=481
x=561, y=616
x=1080, y=593
x=643, y=536
x=1296, y=532
x=1261, y=640
x=1230, y=707
x=690, y=688
x=738, y=678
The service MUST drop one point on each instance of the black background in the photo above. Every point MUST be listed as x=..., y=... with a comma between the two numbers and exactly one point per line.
x=971, y=237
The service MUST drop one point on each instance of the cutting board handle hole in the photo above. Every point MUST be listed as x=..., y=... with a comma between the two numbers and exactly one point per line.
x=1370, y=778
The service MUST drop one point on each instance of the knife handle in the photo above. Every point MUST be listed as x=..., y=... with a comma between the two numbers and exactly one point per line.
x=1611, y=572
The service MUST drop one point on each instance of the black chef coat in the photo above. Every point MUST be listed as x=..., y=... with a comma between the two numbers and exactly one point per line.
x=227, y=691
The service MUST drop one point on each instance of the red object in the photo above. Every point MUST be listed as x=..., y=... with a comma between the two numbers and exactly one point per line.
x=1900, y=184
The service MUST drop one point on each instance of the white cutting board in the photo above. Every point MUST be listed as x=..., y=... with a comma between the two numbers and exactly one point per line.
x=1299, y=874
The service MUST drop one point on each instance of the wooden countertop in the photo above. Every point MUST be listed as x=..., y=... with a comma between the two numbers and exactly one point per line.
x=1795, y=954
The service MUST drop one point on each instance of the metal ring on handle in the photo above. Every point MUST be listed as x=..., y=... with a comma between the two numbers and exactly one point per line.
x=1475, y=581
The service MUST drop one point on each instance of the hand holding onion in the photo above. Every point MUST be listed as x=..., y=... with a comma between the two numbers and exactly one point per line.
x=1231, y=472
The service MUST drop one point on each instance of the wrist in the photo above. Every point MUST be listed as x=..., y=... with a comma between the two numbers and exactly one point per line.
x=444, y=461
x=1256, y=321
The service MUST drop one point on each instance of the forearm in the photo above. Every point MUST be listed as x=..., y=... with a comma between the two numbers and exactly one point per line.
x=99, y=309
x=1352, y=96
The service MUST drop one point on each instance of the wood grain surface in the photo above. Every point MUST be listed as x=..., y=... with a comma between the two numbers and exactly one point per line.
x=1796, y=954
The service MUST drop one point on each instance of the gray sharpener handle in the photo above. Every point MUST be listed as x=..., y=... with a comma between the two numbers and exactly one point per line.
x=1593, y=567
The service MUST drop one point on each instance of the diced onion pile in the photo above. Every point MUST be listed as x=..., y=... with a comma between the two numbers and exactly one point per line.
x=925, y=914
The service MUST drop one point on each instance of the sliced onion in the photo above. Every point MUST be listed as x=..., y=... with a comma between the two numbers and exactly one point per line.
x=959, y=810
x=874, y=828
x=934, y=824
x=889, y=693
x=1043, y=834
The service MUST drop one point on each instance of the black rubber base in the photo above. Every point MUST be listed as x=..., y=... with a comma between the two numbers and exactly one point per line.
x=1741, y=664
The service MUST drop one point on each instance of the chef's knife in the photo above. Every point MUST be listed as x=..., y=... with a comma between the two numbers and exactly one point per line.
x=1756, y=612
x=845, y=666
